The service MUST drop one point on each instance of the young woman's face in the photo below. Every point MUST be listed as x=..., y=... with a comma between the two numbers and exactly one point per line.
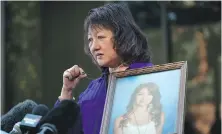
x=101, y=46
x=143, y=97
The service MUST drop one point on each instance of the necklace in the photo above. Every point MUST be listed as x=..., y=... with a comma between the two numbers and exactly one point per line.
x=116, y=68
x=138, y=125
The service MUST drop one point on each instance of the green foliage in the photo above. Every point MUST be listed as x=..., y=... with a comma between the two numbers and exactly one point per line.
x=23, y=50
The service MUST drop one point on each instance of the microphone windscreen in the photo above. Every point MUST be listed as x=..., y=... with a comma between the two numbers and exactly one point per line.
x=16, y=114
x=30, y=121
x=41, y=110
x=63, y=116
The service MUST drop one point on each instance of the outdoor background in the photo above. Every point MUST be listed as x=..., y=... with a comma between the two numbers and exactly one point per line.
x=42, y=39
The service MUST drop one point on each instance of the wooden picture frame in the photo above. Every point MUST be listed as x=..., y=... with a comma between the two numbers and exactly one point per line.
x=167, y=80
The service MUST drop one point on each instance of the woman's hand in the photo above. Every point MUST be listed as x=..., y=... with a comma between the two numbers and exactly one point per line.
x=71, y=78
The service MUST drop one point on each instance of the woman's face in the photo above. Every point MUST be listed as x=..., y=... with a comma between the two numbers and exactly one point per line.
x=101, y=46
x=143, y=97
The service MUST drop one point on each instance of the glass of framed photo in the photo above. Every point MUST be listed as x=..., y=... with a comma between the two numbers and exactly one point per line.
x=147, y=100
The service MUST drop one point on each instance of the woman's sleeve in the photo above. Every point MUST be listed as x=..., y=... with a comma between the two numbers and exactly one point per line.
x=57, y=103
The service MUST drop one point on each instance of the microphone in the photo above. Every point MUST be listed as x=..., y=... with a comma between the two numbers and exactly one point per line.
x=16, y=129
x=41, y=110
x=16, y=114
x=60, y=118
x=30, y=121
x=38, y=110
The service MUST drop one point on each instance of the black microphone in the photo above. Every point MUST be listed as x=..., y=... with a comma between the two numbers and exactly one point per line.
x=38, y=110
x=16, y=114
x=41, y=110
x=60, y=118
x=30, y=121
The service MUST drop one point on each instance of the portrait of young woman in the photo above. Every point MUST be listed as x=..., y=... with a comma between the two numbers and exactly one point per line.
x=144, y=112
x=144, y=103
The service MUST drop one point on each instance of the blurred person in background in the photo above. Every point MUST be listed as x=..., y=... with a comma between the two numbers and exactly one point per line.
x=115, y=43
x=201, y=119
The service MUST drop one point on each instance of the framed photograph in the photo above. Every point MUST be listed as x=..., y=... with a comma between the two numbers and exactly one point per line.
x=147, y=100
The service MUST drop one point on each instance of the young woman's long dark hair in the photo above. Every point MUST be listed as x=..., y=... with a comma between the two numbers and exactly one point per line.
x=129, y=41
x=154, y=108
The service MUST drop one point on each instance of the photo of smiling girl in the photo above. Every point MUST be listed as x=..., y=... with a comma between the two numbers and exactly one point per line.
x=144, y=112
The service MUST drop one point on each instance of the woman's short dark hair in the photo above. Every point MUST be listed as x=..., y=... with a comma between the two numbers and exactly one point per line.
x=129, y=41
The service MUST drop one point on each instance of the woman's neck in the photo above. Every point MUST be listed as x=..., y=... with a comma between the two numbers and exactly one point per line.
x=141, y=116
x=141, y=109
x=119, y=68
